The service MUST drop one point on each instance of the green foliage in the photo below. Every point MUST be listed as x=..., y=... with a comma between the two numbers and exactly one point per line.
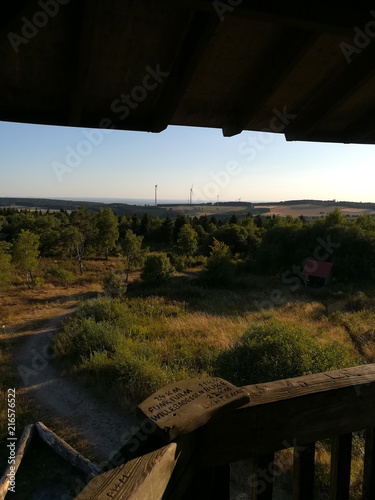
x=157, y=268
x=220, y=267
x=26, y=253
x=39, y=282
x=132, y=251
x=6, y=269
x=59, y=276
x=180, y=262
x=114, y=286
x=273, y=351
x=108, y=233
x=187, y=240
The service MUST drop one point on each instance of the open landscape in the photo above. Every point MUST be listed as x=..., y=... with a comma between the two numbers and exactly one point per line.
x=150, y=301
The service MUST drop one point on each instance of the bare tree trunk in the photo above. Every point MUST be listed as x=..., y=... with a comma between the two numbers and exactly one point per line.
x=27, y=279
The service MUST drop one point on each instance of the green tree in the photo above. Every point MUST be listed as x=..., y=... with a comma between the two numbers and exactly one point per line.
x=132, y=251
x=6, y=271
x=157, y=268
x=220, y=267
x=108, y=233
x=26, y=253
x=84, y=221
x=187, y=240
x=167, y=231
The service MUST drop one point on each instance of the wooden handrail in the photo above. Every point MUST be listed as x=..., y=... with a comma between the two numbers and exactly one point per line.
x=282, y=414
x=303, y=409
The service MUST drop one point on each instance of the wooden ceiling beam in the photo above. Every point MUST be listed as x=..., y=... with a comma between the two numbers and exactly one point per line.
x=322, y=16
x=361, y=128
x=265, y=79
x=334, y=93
x=196, y=41
x=82, y=59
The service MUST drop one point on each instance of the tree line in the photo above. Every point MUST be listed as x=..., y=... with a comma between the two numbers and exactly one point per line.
x=268, y=245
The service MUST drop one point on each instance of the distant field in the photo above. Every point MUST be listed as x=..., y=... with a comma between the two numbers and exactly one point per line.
x=198, y=210
x=313, y=210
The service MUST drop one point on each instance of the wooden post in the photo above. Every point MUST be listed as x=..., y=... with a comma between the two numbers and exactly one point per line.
x=369, y=466
x=262, y=477
x=65, y=451
x=303, y=472
x=340, y=467
x=23, y=444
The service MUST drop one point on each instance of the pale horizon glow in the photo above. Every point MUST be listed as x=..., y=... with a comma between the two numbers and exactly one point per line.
x=126, y=165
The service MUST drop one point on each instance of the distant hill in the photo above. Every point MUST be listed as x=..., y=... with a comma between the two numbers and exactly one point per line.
x=333, y=203
x=47, y=204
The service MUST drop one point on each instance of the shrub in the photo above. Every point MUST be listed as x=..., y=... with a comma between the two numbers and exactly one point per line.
x=39, y=282
x=157, y=268
x=60, y=276
x=114, y=286
x=273, y=351
x=180, y=262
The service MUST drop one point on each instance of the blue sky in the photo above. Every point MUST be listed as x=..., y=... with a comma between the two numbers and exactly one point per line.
x=41, y=161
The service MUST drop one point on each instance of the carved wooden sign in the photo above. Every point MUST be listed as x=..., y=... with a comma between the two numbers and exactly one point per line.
x=182, y=407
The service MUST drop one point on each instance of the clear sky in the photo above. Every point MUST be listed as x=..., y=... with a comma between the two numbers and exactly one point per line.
x=41, y=161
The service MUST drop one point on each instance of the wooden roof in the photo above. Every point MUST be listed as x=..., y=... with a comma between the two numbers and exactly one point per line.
x=320, y=269
x=304, y=69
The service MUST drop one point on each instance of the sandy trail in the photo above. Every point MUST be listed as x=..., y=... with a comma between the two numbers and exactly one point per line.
x=62, y=399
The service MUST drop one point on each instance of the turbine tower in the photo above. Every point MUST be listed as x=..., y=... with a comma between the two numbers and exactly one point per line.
x=191, y=194
x=156, y=195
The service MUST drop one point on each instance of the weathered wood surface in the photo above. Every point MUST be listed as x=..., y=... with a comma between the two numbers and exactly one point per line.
x=303, y=471
x=182, y=407
x=341, y=456
x=144, y=478
x=305, y=409
x=65, y=451
x=21, y=449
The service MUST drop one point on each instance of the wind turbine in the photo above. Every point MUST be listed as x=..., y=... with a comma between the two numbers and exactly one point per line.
x=191, y=194
x=156, y=195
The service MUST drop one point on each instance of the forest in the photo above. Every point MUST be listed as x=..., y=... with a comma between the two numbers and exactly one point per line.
x=270, y=245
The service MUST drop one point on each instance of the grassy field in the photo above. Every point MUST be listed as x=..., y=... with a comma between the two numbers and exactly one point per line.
x=312, y=210
x=172, y=332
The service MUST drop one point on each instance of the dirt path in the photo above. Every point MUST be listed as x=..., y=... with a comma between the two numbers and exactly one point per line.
x=61, y=399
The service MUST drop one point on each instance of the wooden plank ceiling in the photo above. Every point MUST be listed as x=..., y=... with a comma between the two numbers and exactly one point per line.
x=304, y=69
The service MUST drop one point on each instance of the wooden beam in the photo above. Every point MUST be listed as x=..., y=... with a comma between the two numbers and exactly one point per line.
x=22, y=446
x=369, y=466
x=305, y=409
x=262, y=477
x=341, y=456
x=361, y=128
x=303, y=471
x=65, y=451
x=264, y=80
x=144, y=478
x=197, y=39
x=320, y=17
x=82, y=59
x=332, y=95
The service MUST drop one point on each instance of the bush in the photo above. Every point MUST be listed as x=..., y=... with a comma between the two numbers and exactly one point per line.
x=157, y=268
x=114, y=286
x=180, y=262
x=60, y=276
x=273, y=351
x=39, y=282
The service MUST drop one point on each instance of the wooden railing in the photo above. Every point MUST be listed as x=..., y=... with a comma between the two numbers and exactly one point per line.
x=288, y=413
